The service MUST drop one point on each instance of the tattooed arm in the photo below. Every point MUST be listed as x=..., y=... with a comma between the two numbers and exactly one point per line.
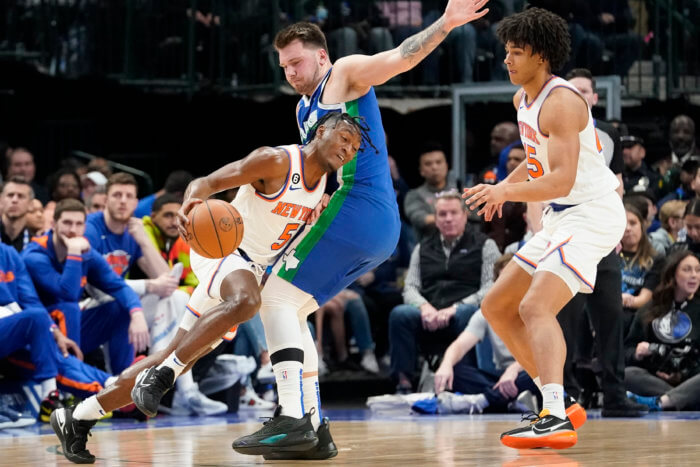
x=362, y=71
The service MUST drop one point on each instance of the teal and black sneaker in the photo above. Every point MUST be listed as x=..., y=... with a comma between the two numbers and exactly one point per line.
x=280, y=433
x=325, y=449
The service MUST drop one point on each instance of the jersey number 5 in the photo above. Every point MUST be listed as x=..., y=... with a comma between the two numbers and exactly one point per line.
x=289, y=230
x=534, y=167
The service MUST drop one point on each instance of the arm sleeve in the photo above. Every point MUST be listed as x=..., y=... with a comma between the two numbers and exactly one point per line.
x=27, y=296
x=489, y=254
x=412, y=285
x=101, y=276
x=64, y=286
x=416, y=209
x=477, y=325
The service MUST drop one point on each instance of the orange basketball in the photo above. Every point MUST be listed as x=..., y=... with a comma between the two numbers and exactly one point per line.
x=215, y=229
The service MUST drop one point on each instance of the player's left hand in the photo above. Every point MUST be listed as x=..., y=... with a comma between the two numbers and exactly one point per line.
x=66, y=345
x=138, y=331
x=459, y=12
x=135, y=228
x=489, y=198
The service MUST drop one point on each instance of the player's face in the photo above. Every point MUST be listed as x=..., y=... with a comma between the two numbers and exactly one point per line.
x=121, y=202
x=166, y=219
x=585, y=87
x=15, y=200
x=515, y=157
x=521, y=63
x=71, y=224
x=633, y=233
x=338, y=145
x=450, y=217
x=688, y=276
x=433, y=167
x=302, y=66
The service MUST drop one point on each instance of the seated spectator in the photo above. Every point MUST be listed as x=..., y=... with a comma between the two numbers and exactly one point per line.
x=91, y=181
x=61, y=263
x=639, y=277
x=449, y=274
x=65, y=183
x=637, y=176
x=504, y=136
x=35, y=218
x=682, y=139
x=689, y=236
x=15, y=197
x=663, y=344
x=20, y=163
x=419, y=202
x=686, y=187
x=97, y=201
x=347, y=304
x=671, y=217
x=36, y=344
x=176, y=184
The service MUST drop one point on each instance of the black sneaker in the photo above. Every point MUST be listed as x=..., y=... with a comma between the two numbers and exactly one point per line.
x=73, y=435
x=150, y=387
x=624, y=408
x=544, y=431
x=280, y=433
x=325, y=449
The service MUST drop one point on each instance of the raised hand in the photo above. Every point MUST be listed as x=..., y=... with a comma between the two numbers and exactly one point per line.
x=459, y=12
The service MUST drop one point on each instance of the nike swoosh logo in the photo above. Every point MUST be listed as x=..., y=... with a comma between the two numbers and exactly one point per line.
x=61, y=419
x=548, y=430
x=292, y=188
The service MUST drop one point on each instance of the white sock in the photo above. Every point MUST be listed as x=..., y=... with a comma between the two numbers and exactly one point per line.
x=47, y=386
x=288, y=378
x=174, y=363
x=553, y=400
x=537, y=382
x=311, y=391
x=89, y=409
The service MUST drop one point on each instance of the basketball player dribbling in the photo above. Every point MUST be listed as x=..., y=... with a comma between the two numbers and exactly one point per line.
x=278, y=187
x=357, y=231
x=583, y=222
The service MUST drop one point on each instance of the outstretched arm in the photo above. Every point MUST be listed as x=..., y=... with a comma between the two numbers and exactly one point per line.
x=363, y=71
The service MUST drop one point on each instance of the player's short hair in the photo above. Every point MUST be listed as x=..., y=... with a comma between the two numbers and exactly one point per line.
x=544, y=31
x=581, y=73
x=331, y=120
x=431, y=146
x=121, y=178
x=18, y=180
x=167, y=198
x=68, y=205
x=307, y=33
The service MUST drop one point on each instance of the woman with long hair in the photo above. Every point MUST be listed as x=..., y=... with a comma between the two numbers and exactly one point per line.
x=637, y=257
x=663, y=345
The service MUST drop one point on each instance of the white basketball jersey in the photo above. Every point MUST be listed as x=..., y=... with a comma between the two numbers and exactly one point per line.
x=593, y=177
x=270, y=221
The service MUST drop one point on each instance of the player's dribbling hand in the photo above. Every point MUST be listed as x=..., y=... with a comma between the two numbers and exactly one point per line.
x=182, y=220
x=489, y=198
x=443, y=378
x=459, y=12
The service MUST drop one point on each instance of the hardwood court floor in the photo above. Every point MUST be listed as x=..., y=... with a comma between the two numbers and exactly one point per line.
x=401, y=441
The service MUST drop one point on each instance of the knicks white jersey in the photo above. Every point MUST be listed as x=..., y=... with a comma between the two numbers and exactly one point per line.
x=593, y=177
x=270, y=221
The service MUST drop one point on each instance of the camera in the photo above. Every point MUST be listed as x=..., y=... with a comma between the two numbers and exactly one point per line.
x=682, y=357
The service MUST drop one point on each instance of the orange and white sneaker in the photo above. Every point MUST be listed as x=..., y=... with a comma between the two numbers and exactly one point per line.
x=575, y=412
x=544, y=431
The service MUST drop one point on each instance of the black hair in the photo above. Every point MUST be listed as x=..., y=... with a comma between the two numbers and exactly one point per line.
x=331, y=119
x=430, y=146
x=664, y=295
x=177, y=181
x=162, y=200
x=581, y=73
x=545, y=32
x=692, y=208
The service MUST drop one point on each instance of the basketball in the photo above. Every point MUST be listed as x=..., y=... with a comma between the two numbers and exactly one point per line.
x=215, y=229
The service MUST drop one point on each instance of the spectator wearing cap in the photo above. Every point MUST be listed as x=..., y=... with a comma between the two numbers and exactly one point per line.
x=175, y=184
x=419, y=204
x=91, y=182
x=637, y=176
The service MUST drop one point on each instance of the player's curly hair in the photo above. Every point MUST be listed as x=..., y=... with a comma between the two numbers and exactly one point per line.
x=545, y=32
x=331, y=119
